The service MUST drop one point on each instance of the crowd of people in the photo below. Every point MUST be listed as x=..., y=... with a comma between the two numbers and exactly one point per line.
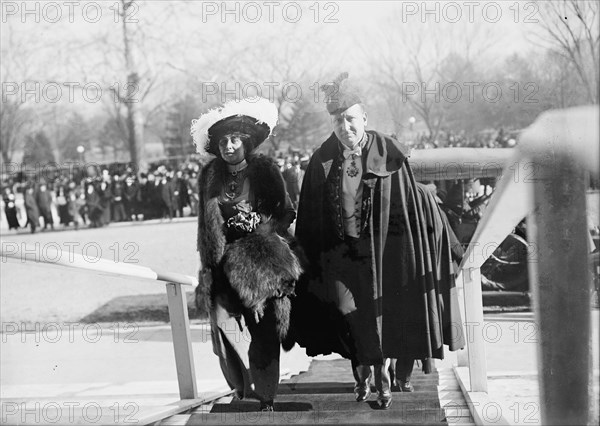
x=101, y=197
x=487, y=139
x=162, y=192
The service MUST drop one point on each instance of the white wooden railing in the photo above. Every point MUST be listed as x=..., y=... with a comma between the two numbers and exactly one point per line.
x=546, y=183
x=178, y=311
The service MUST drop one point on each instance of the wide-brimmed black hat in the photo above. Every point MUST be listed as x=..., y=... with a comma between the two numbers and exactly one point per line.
x=239, y=124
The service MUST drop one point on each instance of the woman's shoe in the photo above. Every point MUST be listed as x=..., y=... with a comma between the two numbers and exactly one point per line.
x=362, y=393
x=406, y=387
x=384, y=400
x=266, y=406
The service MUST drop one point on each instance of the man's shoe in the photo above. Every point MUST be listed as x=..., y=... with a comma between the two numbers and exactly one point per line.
x=362, y=393
x=406, y=387
x=384, y=401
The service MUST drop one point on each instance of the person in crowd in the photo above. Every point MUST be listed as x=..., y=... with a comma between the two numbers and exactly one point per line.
x=75, y=200
x=106, y=198
x=166, y=196
x=183, y=197
x=248, y=270
x=290, y=177
x=31, y=207
x=155, y=200
x=372, y=292
x=131, y=198
x=62, y=190
x=43, y=198
x=10, y=208
x=118, y=201
x=192, y=190
x=93, y=202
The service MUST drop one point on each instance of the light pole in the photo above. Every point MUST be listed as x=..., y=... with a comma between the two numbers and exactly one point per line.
x=81, y=150
x=411, y=122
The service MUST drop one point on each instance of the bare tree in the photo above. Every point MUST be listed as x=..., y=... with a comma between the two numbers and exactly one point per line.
x=15, y=69
x=134, y=48
x=413, y=67
x=570, y=27
x=277, y=65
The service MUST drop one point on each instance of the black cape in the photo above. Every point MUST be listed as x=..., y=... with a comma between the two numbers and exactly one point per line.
x=413, y=290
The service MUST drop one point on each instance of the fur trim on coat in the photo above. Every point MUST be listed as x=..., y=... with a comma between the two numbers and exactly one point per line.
x=262, y=258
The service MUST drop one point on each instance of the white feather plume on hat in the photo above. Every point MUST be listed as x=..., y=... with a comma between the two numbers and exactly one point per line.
x=260, y=109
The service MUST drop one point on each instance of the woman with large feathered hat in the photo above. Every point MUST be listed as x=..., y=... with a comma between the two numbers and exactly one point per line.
x=248, y=269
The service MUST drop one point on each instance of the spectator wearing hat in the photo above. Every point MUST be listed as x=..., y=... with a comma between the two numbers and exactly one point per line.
x=167, y=196
x=93, y=202
x=10, y=208
x=372, y=292
x=106, y=199
x=131, y=197
x=43, y=198
x=248, y=270
x=31, y=208
x=118, y=201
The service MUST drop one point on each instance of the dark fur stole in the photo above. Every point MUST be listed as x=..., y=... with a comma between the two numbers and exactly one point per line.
x=261, y=267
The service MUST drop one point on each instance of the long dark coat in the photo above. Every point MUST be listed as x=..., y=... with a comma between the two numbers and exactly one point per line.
x=10, y=209
x=31, y=207
x=239, y=279
x=412, y=295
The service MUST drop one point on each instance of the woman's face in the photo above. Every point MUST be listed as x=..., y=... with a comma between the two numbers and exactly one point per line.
x=232, y=149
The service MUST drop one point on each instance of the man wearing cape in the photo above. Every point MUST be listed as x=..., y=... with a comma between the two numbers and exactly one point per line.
x=379, y=286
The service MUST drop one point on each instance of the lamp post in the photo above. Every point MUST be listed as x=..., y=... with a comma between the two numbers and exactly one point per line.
x=411, y=122
x=81, y=150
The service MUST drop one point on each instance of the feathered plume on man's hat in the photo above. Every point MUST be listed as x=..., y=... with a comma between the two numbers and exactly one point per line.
x=340, y=94
x=255, y=117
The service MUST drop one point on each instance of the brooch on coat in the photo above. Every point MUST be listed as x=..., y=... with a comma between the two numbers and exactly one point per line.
x=352, y=170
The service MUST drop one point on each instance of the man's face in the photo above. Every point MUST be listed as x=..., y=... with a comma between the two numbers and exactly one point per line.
x=349, y=125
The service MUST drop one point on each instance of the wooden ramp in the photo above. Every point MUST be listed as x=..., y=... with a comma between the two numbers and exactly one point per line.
x=324, y=394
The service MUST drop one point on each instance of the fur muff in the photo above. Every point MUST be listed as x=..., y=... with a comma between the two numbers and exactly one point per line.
x=259, y=267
